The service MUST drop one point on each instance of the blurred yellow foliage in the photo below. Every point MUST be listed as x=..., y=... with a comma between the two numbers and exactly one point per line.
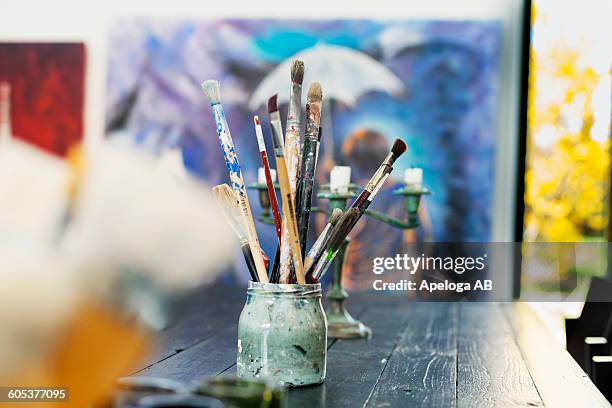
x=567, y=176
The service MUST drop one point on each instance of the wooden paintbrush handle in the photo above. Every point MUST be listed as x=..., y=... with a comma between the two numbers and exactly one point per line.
x=285, y=254
x=292, y=147
x=289, y=212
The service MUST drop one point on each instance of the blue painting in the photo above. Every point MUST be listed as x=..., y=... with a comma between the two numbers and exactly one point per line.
x=432, y=83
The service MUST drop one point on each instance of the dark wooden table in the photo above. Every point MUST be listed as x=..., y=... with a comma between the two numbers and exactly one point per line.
x=420, y=354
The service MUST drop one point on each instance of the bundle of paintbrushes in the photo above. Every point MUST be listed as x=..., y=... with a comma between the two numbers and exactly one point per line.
x=295, y=167
x=350, y=217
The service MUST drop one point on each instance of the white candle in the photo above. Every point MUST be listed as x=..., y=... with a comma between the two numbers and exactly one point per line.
x=261, y=176
x=413, y=178
x=339, y=179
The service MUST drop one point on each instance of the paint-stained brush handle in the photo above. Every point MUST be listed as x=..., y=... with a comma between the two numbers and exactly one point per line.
x=308, y=160
x=316, y=251
x=289, y=211
x=278, y=224
x=287, y=198
x=238, y=185
x=338, y=235
x=212, y=90
x=306, y=186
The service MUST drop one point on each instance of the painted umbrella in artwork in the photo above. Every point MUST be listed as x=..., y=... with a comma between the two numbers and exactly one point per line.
x=344, y=73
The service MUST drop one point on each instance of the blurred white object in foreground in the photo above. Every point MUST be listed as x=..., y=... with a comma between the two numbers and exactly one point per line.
x=32, y=193
x=130, y=212
x=38, y=294
x=171, y=161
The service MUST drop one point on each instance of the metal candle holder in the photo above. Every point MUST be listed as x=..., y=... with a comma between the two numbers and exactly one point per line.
x=339, y=321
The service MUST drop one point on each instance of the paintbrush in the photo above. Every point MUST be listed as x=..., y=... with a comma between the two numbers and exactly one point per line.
x=318, y=144
x=292, y=152
x=363, y=201
x=230, y=208
x=286, y=196
x=294, y=126
x=275, y=270
x=309, y=159
x=211, y=88
x=339, y=234
x=266, y=165
x=316, y=250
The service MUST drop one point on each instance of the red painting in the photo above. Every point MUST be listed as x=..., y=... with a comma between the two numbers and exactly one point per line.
x=45, y=96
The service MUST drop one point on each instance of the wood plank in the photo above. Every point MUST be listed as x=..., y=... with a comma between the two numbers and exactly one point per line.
x=422, y=368
x=559, y=379
x=198, y=319
x=211, y=355
x=204, y=296
x=197, y=326
x=354, y=366
x=490, y=368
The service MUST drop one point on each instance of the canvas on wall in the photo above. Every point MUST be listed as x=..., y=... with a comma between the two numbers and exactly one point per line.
x=42, y=93
x=432, y=83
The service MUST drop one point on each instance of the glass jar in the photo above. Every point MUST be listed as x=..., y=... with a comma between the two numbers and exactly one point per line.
x=282, y=334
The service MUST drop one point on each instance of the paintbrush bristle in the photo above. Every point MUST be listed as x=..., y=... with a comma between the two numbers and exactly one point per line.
x=315, y=92
x=335, y=216
x=399, y=147
x=272, y=103
x=230, y=208
x=212, y=90
x=225, y=195
x=297, y=72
